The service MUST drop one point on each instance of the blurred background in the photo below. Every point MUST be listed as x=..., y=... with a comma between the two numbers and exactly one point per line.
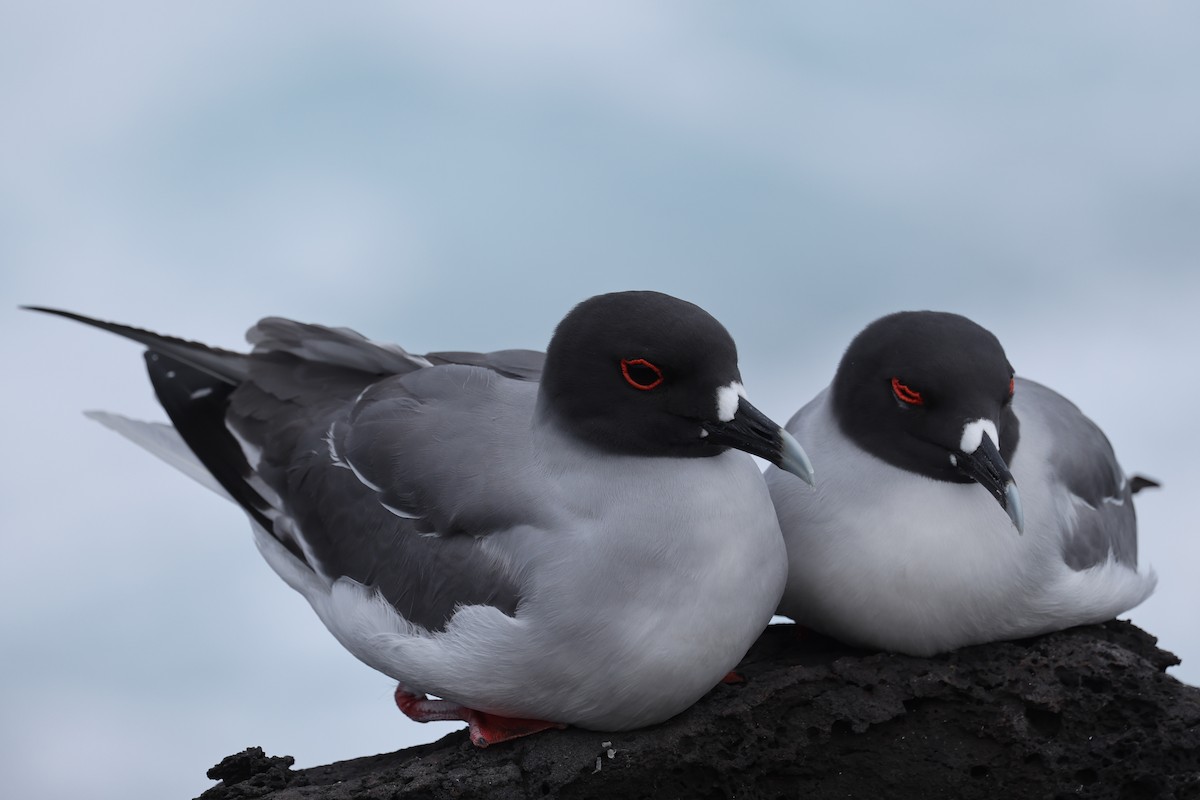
x=457, y=176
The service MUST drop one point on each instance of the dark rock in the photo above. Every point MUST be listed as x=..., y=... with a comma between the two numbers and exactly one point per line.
x=250, y=773
x=1088, y=712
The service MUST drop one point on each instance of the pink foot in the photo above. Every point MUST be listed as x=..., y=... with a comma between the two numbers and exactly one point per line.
x=733, y=678
x=487, y=729
x=484, y=729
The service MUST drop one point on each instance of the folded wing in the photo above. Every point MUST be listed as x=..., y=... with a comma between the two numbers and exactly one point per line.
x=1083, y=462
x=367, y=462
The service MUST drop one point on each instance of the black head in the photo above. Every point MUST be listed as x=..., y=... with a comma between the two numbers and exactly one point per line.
x=917, y=389
x=648, y=374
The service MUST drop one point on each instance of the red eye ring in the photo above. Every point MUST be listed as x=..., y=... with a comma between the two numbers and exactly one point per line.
x=905, y=394
x=640, y=362
x=1012, y=386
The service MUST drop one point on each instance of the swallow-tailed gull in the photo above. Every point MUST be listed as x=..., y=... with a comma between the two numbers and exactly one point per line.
x=571, y=538
x=916, y=539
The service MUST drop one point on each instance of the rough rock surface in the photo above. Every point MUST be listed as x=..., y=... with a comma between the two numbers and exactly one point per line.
x=1087, y=712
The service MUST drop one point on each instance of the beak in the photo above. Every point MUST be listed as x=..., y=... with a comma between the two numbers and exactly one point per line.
x=986, y=466
x=753, y=432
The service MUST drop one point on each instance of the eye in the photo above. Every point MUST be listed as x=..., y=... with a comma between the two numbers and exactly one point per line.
x=1012, y=385
x=905, y=394
x=641, y=374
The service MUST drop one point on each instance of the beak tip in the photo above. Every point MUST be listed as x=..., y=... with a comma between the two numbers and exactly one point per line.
x=1013, y=506
x=793, y=459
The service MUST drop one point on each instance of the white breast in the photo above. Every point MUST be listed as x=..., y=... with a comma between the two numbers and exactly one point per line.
x=882, y=557
x=649, y=587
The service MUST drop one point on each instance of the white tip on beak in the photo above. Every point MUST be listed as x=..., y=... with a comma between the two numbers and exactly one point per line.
x=795, y=460
x=1012, y=504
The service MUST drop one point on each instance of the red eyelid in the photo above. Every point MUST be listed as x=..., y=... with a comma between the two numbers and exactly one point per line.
x=904, y=393
x=640, y=362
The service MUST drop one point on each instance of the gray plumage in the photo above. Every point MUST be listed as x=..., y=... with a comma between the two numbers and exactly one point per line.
x=601, y=563
x=1080, y=457
x=899, y=547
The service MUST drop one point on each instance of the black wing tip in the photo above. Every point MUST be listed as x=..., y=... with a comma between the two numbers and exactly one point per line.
x=111, y=327
x=225, y=365
x=58, y=312
x=195, y=402
x=1139, y=482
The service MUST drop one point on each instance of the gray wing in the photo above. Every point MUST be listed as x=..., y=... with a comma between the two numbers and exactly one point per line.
x=523, y=365
x=446, y=447
x=388, y=470
x=1081, y=459
x=364, y=460
x=368, y=462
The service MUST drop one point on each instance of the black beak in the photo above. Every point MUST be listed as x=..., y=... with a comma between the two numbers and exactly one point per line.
x=753, y=432
x=987, y=468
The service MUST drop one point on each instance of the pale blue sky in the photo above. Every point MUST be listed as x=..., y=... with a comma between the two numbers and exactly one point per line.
x=456, y=177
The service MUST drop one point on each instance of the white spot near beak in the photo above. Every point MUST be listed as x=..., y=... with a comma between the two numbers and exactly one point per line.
x=972, y=435
x=727, y=400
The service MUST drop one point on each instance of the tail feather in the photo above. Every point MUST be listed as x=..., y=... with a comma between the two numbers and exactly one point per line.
x=194, y=384
x=163, y=441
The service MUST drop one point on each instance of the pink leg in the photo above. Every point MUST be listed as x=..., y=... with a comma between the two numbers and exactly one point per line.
x=420, y=708
x=733, y=678
x=484, y=729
